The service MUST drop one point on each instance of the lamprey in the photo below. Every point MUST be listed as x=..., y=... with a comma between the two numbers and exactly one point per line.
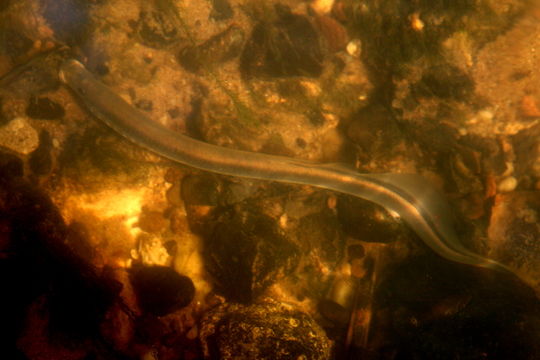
x=416, y=201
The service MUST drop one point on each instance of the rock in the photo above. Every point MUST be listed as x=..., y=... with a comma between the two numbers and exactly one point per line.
x=37, y=264
x=200, y=190
x=150, y=250
x=218, y=49
x=157, y=29
x=429, y=308
x=44, y=108
x=507, y=184
x=446, y=82
x=40, y=160
x=70, y=19
x=514, y=230
x=160, y=290
x=368, y=222
x=13, y=42
x=152, y=221
x=269, y=331
x=4, y=5
x=221, y=10
x=3, y=119
x=245, y=252
x=526, y=145
x=10, y=167
x=287, y=47
x=19, y=136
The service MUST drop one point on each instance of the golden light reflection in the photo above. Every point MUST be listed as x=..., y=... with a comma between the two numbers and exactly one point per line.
x=110, y=216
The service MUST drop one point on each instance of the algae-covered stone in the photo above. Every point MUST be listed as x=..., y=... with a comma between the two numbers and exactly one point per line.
x=266, y=331
x=19, y=136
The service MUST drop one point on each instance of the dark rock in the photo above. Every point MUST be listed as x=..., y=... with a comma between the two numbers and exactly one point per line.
x=218, y=49
x=157, y=29
x=375, y=130
x=368, y=222
x=513, y=230
x=444, y=81
x=336, y=314
x=200, y=190
x=287, y=47
x=172, y=247
x=264, y=332
x=527, y=148
x=37, y=76
x=3, y=118
x=37, y=263
x=44, y=108
x=151, y=221
x=160, y=290
x=391, y=19
x=245, y=252
x=334, y=34
x=174, y=112
x=430, y=308
x=315, y=117
x=95, y=152
x=102, y=69
x=200, y=193
x=144, y=104
x=276, y=146
x=70, y=19
x=301, y=143
x=149, y=329
x=221, y=10
x=355, y=251
x=320, y=232
x=78, y=241
x=4, y=4
x=11, y=167
x=40, y=160
x=14, y=43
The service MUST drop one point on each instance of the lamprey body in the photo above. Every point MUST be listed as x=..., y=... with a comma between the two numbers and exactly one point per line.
x=416, y=201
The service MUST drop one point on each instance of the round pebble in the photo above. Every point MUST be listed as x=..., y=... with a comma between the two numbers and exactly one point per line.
x=507, y=184
x=19, y=136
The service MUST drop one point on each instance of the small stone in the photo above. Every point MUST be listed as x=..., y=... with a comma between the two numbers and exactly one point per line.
x=174, y=196
x=174, y=112
x=19, y=136
x=200, y=190
x=218, y=49
x=157, y=29
x=10, y=166
x=221, y=10
x=507, y=184
x=145, y=105
x=529, y=107
x=354, y=47
x=161, y=290
x=3, y=118
x=150, y=250
x=333, y=32
x=152, y=221
x=368, y=222
x=355, y=251
x=321, y=7
x=514, y=231
x=44, y=108
x=287, y=47
x=262, y=331
x=40, y=160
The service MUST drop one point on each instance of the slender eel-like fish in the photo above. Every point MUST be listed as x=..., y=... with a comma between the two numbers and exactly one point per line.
x=417, y=202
